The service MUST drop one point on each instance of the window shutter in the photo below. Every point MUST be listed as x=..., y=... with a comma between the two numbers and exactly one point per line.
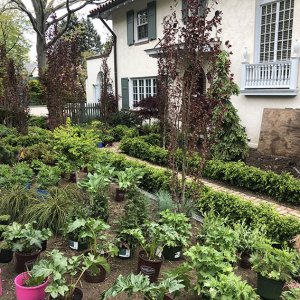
x=184, y=11
x=152, y=20
x=130, y=28
x=125, y=92
x=202, y=8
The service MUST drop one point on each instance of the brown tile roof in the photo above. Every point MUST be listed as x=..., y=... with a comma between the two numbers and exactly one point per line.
x=105, y=6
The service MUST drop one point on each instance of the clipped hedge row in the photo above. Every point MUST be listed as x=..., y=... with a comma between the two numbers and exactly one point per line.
x=139, y=148
x=283, y=188
x=279, y=228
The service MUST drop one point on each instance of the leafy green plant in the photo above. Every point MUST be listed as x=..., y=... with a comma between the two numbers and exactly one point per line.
x=293, y=292
x=228, y=286
x=180, y=223
x=140, y=284
x=25, y=238
x=48, y=176
x=64, y=272
x=153, y=238
x=216, y=234
x=129, y=178
x=274, y=263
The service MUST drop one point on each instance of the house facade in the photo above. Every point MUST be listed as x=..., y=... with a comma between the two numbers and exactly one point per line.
x=265, y=39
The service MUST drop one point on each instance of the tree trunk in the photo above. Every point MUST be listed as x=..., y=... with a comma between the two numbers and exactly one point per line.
x=41, y=55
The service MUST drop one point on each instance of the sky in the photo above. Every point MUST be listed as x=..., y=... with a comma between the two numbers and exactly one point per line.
x=83, y=13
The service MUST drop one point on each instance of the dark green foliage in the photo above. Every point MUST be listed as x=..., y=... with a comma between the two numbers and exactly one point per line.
x=153, y=139
x=36, y=92
x=283, y=188
x=230, y=141
x=8, y=154
x=124, y=117
x=121, y=131
x=38, y=121
x=277, y=227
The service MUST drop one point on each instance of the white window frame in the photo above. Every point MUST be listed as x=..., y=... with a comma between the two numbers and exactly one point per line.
x=145, y=94
x=259, y=5
x=137, y=25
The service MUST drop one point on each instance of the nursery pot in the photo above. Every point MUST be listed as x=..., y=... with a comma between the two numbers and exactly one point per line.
x=99, y=277
x=172, y=253
x=26, y=293
x=100, y=145
x=166, y=297
x=269, y=288
x=44, y=246
x=150, y=268
x=21, y=260
x=77, y=245
x=6, y=256
x=73, y=177
x=120, y=195
x=77, y=295
x=244, y=261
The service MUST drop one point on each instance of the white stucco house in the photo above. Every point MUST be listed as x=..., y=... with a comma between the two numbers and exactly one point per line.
x=264, y=35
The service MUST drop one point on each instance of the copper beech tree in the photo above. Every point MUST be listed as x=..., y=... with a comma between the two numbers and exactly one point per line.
x=189, y=48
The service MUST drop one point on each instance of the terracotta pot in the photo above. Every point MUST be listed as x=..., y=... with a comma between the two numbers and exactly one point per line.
x=22, y=259
x=150, y=268
x=100, y=277
x=244, y=261
x=120, y=195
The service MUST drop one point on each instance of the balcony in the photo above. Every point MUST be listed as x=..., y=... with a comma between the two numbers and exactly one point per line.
x=270, y=79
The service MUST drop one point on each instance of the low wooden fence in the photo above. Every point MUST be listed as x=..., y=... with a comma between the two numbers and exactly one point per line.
x=82, y=112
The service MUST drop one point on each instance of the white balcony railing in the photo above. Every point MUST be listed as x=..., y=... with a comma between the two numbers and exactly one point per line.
x=279, y=76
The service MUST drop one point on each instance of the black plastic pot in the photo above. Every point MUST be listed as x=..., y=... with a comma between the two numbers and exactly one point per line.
x=78, y=245
x=77, y=295
x=73, y=177
x=120, y=195
x=269, y=288
x=244, y=261
x=22, y=259
x=99, y=277
x=150, y=268
x=44, y=246
x=6, y=256
x=172, y=253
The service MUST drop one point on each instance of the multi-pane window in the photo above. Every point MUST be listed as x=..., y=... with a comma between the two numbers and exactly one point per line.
x=276, y=30
x=143, y=88
x=142, y=24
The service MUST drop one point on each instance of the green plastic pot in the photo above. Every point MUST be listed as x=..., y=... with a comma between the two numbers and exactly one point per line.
x=270, y=289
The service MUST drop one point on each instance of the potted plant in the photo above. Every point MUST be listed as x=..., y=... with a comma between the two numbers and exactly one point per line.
x=29, y=286
x=249, y=241
x=292, y=292
x=274, y=268
x=74, y=231
x=180, y=223
x=127, y=179
x=99, y=248
x=25, y=241
x=4, y=220
x=141, y=285
x=227, y=286
x=64, y=274
x=97, y=185
x=48, y=176
x=135, y=215
x=153, y=238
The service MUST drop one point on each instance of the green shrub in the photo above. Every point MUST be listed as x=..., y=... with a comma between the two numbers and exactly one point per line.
x=121, y=131
x=230, y=140
x=8, y=153
x=124, y=117
x=152, y=139
x=284, y=187
x=36, y=92
x=37, y=121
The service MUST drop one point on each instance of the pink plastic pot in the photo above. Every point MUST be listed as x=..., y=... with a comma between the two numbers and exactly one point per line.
x=26, y=293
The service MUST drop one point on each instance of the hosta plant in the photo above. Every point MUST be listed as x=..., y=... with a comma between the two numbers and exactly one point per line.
x=129, y=178
x=141, y=285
